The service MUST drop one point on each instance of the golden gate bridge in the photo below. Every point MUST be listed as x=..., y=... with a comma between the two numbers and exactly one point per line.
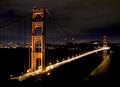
x=38, y=45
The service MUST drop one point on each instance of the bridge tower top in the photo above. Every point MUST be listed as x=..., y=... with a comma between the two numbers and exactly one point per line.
x=105, y=41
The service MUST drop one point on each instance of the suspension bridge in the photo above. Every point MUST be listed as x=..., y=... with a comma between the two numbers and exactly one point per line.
x=38, y=43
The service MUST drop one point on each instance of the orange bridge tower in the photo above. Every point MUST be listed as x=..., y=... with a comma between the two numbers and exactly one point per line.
x=105, y=44
x=38, y=38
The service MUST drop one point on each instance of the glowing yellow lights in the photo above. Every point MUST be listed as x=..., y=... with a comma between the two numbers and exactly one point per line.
x=49, y=67
x=53, y=66
x=29, y=70
x=11, y=75
x=20, y=77
x=50, y=63
x=106, y=48
x=39, y=67
x=37, y=72
x=57, y=61
x=48, y=73
x=63, y=59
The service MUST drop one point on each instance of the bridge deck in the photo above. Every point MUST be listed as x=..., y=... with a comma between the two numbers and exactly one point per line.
x=51, y=67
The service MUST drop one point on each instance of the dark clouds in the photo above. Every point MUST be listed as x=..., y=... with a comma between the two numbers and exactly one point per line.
x=80, y=18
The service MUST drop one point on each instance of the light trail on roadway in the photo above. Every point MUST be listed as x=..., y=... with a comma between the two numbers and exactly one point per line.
x=53, y=66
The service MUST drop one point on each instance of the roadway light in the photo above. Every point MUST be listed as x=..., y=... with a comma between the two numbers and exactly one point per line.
x=39, y=67
x=11, y=76
x=57, y=61
x=20, y=77
x=37, y=72
x=50, y=63
x=29, y=70
x=49, y=67
x=48, y=73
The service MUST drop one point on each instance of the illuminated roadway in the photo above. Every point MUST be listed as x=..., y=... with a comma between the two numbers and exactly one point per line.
x=51, y=67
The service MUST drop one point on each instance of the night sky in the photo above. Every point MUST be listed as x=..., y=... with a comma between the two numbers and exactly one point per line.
x=78, y=19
